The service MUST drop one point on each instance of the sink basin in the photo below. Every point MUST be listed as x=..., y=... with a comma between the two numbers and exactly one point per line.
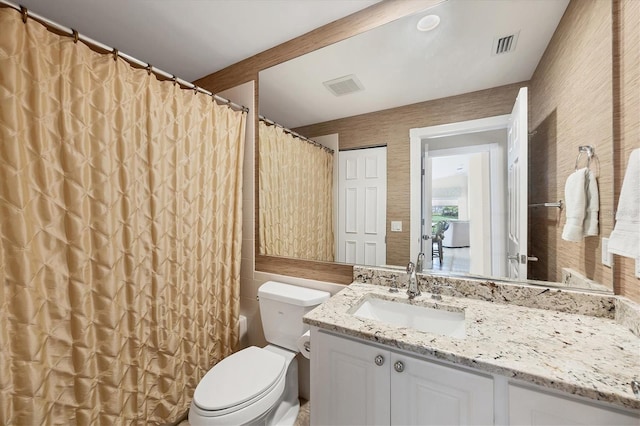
x=423, y=318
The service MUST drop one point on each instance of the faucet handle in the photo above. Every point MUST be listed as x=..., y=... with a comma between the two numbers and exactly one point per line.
x=436, y=289
x=411, y=268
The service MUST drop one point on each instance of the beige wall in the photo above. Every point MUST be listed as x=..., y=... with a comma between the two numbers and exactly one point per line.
x=606, y=34
x=391, y=127
x=626, y=117
x=571, y=104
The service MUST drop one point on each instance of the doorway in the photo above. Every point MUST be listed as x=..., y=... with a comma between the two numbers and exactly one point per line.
x=458, y=203
x=465, y=138
x=510, y=220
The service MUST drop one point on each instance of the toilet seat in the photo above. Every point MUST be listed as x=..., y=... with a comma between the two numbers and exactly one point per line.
x=241, y=380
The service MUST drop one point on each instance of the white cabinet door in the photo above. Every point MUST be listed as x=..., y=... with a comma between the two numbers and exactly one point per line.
x=427, y=393
x=350, y=387
x=528, y=407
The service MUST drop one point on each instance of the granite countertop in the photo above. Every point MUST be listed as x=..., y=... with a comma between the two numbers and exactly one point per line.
x=585, y=355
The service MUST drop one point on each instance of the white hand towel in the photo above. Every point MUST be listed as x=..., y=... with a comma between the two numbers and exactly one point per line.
x=625, y=238
x=575, y=197
x=590, y=225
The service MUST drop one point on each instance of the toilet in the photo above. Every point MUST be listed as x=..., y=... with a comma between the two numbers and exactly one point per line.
x=259, y=386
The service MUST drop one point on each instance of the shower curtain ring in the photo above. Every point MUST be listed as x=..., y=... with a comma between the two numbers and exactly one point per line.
x=25, y=13
x=148, y=68
x=75, y=34
x=115, y=54
x=175, y=80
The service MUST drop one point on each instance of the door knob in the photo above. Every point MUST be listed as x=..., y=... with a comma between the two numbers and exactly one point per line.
x=379, y=360
x=399, y=366
x=532, y=259
x=522, y=258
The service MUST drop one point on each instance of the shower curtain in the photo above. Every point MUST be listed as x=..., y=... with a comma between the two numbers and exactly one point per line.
x=296, y=197
x=120, y=234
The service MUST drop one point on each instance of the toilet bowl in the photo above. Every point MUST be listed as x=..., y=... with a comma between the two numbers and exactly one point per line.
x=259, y=386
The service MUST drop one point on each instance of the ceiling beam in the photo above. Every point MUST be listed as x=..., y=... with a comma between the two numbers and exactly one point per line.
x=349, y=26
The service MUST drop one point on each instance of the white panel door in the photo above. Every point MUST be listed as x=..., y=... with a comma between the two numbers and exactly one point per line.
x=362, y=206
x=350, y=387
x=517, y=185
x=427, y=393
x=426, y=243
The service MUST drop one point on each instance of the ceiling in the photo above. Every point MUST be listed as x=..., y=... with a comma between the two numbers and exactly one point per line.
x=193, y=38
x=399, y=65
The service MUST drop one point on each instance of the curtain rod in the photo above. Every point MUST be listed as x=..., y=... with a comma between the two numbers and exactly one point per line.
x=91, y=42
x=292, y=133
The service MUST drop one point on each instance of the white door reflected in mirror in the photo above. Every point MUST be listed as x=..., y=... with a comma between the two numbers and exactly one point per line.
x=362, y=206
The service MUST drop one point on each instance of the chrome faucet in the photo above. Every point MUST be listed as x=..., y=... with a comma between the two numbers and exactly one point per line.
x=413, y=289
x=420, y=263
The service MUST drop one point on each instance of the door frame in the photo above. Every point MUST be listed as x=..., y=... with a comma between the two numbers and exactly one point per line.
x=416, y=137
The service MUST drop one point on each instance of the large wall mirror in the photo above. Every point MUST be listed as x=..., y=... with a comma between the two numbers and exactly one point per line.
x=397, y=99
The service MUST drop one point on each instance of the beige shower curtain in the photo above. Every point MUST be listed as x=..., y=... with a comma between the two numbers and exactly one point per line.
x=120, y=234
x=296, y=197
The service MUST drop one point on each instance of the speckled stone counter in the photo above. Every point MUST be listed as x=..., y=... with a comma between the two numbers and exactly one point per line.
x=530, y=296
x=593, y=356
x=572, y=301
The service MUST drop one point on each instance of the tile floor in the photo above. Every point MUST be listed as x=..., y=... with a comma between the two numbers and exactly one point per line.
x=303, y=416
x=454, y=260
x=302, y=420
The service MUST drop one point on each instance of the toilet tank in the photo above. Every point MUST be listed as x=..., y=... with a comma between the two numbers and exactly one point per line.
x=282, y=307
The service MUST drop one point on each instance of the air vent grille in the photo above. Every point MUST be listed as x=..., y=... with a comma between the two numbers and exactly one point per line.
x=505, y=44
x=344, y=85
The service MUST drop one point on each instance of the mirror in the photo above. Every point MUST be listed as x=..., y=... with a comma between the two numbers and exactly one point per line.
x=452, y=77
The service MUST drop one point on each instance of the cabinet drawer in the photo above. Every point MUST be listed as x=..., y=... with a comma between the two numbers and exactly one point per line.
x=532, y=407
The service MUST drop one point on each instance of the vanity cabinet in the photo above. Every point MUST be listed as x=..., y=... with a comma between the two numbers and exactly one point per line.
x=355, y=383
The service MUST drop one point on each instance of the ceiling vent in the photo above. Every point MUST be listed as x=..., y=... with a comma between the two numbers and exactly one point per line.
x=505, y=44
x=344, y=85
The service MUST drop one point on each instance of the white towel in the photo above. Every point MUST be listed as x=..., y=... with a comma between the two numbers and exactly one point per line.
x=590, y=225
x=575, y=198
x=625, y=238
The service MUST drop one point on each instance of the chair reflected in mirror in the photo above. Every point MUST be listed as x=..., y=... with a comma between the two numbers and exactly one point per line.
x=437, y=235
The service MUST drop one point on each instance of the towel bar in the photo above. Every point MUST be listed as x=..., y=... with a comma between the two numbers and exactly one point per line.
x=557, y=205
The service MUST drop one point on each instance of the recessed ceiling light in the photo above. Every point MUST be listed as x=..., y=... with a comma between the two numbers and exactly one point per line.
x=429, y=22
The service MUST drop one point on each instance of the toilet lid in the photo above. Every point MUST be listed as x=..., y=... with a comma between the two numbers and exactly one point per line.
x=241, y=377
